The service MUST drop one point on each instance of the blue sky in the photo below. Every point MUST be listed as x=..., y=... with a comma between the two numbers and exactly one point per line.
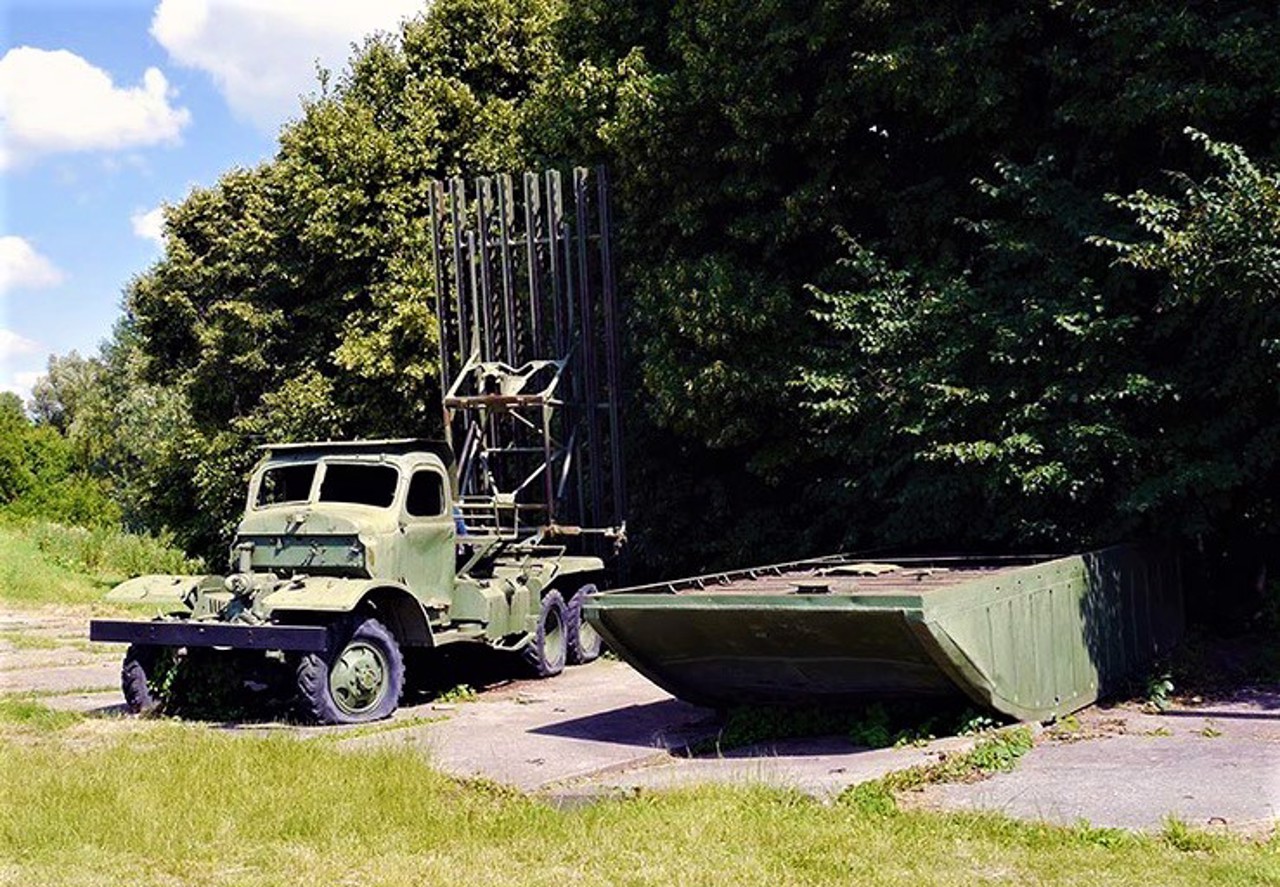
x=109, y=110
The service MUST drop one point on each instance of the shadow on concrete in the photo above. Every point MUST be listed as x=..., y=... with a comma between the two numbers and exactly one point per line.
x=667, y=724
x=1262, y=698
x=812, y=747
x=1218, y=714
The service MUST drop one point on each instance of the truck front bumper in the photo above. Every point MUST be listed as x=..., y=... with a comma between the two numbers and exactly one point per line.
x=302, y=638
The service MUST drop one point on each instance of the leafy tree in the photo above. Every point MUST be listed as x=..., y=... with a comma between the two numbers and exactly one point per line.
x=69, y=382
x=38, y=477
x=1213, y=458
x=15, y=475
x=967, y=151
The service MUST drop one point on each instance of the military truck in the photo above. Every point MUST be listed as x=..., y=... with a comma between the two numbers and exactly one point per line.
x=353, y=556
x=348, y=556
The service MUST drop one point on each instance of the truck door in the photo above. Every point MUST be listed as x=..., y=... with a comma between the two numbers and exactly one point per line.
x=428, y=536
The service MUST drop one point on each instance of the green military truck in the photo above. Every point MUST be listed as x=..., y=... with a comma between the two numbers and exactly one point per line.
x=348, y=556
x=351, y=555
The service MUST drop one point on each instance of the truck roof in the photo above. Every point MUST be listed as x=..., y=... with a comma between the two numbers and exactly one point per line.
x=396, y=446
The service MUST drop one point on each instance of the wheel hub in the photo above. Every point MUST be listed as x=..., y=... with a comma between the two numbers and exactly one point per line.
x=359, y=678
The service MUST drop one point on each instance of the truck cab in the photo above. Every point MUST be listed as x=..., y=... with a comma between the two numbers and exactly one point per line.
x=353, y=510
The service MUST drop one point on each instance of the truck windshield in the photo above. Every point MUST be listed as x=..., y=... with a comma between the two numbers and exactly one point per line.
x=359, y=484
x=286, y=483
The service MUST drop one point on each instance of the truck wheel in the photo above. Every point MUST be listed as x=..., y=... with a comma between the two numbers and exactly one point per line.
x=136, y=677
x=547, y=649
x=584, y=643
x=359, y=680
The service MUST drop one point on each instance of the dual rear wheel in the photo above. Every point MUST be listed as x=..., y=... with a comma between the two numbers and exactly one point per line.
x=563, y=636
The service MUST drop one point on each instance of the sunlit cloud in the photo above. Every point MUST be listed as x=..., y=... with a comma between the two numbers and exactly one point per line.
x=262, y=54
x=22, y=267
x=56, y=102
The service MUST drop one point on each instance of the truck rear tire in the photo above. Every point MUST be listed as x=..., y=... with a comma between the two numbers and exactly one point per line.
x=136, y=676
x=548, y=648
x=358, y=681
x=584, y=644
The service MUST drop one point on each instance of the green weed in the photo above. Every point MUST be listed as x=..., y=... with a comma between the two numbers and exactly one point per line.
x=1109, y=838
x=460, y=693
x=1068, y=726
x=1159, y=692
x=48, y=564
x=107, y=550
x=1180, y=836
x=994, y=753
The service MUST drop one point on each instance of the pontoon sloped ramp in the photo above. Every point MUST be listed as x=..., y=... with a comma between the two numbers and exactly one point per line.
x=1033, y=638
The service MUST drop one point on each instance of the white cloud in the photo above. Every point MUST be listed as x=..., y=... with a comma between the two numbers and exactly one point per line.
x=21, y=383
x=55, y=101
x=149, y=224
x=262, y=54
x=13, y=345
x=18, y=357
x=21, y=267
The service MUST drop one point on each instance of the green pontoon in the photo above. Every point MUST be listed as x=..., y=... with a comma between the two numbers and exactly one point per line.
x=1032, y=638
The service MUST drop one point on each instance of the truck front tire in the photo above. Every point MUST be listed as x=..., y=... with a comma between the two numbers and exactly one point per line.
x=548, y=648
x=136, y=676
x=358, y=681
x=584, y=644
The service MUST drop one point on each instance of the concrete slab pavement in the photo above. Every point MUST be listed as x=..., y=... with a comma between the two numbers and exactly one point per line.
x=530, y=734
x=1210, y=765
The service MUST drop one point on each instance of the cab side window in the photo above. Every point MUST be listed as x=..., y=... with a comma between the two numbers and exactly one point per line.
x=426, y=495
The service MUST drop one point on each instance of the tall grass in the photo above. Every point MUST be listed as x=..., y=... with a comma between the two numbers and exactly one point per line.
x=48, y=563
x=173, y=804
x=109, y=551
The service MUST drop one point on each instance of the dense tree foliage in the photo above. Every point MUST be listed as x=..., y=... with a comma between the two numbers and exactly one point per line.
x=980, y=357
x=39, y=476
x=881, y=289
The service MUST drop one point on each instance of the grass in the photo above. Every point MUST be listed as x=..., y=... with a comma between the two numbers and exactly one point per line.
x=26, y=713
x=49, y=564
x=166, y=803
x=378, y=728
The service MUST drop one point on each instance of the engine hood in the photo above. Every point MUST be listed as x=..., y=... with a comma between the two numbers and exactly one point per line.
x=330, y=539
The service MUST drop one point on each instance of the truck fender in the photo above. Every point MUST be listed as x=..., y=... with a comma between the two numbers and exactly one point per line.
x=162, y=590
x=394, y=605
x=574, y=571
